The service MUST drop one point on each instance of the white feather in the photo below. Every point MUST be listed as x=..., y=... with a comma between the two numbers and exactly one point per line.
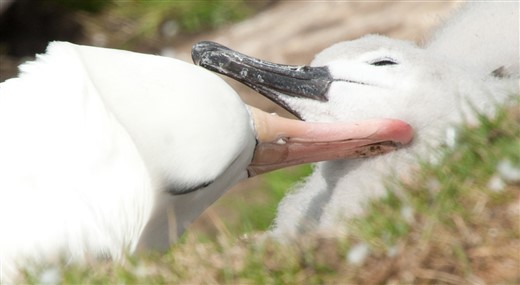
x=431, y=88
x=91, y=139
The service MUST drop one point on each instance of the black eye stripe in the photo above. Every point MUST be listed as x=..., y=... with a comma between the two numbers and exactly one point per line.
x=383, y=62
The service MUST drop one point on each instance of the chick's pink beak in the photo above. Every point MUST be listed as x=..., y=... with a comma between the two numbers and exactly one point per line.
x=285, y=142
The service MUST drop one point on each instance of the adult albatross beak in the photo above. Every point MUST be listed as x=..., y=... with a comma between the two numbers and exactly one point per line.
x=268, y=79
x=285, y=142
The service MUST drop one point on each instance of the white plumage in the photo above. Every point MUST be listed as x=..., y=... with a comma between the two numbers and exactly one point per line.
x=94, y=141
x=104, y=152
x=471, y=65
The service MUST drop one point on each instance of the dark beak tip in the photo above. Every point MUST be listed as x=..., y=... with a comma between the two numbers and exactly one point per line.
x=204, y=49
x=197, y=51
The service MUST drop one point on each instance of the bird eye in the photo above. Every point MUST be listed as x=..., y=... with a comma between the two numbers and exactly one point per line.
x=383, y=61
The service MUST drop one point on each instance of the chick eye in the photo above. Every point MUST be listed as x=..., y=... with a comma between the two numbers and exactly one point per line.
x=383, y=61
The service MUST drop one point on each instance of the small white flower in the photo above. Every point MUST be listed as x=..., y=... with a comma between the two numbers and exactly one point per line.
x=509, y=172
x=496, y=184
x=141, y=270
x=407, y=214
x=451, y=137
x=50, y=275
x=358, y=253
x=170, y=29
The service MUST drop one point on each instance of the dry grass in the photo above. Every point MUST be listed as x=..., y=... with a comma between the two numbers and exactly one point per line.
x=459, y=227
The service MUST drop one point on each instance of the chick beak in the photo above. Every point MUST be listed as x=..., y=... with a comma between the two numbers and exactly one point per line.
x=286, y=142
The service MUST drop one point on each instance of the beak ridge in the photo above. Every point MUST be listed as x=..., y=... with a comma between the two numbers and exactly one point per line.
x=269, y=79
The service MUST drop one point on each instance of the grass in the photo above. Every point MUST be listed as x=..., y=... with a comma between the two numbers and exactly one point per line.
x=146, y=24
x=456, y=223
x=257, y=216
x=190, y=16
